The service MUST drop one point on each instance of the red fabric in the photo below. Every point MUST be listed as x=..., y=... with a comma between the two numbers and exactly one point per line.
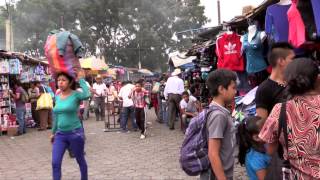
x=228, y=50
x=139, y=98
x=297, y=34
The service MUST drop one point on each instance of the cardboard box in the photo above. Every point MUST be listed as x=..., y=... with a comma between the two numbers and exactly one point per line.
x=12, y=131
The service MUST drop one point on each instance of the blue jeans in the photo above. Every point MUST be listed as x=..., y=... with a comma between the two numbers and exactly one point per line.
x=125, y=114
x=21, y=120
x=163, y=112
x=73, y=140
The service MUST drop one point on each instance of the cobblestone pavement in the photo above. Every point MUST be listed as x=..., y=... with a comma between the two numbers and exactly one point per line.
x=110, y=155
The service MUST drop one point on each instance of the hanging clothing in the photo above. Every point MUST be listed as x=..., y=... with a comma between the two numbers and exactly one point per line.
x=297, y=34
x=304, y=7
x=228, y=50
x=316, y=12
x=276, y=24
x=254, y=53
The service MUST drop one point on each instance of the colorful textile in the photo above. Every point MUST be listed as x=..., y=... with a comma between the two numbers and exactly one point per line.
x=303, y=135
x=276, y=24
x=68, y=62
x=228, y=50
x=297, y=34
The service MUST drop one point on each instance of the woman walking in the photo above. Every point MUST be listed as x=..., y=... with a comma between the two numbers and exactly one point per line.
x=67, y=131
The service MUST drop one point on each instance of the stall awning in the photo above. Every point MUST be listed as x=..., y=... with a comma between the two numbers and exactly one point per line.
x=179, y=59
x=93, y=63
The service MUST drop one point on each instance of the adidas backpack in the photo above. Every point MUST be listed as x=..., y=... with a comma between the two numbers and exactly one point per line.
x=194, y=157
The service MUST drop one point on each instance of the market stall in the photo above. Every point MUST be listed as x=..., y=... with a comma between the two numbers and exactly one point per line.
x=17, y=66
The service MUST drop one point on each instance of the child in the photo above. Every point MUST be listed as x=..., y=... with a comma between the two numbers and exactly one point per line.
x=251, y=149
x=139, y=96
x=221, y=131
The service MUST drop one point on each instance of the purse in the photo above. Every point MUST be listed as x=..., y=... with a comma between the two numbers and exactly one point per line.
x=45, y=101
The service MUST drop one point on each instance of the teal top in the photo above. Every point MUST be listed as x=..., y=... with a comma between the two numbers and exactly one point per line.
x=66, y=110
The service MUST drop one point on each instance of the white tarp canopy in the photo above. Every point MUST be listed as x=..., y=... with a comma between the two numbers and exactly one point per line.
x=180, y=59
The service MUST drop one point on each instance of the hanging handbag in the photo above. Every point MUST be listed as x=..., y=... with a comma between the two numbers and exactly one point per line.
x=45, y=101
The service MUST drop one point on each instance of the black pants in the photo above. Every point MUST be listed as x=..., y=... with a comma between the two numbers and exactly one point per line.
x=140, y=119
x=173, y=109
x=34, y=113
x=99, y=107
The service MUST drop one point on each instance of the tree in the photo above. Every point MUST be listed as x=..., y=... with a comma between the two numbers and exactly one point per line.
x=124, y=31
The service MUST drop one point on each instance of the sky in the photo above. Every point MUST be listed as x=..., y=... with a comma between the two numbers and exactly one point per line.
x=229, y=9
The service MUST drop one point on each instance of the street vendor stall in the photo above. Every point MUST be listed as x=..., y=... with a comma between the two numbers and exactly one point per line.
x=17, y=66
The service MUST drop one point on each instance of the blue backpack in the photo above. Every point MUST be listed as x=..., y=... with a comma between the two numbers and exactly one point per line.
x=194, y=157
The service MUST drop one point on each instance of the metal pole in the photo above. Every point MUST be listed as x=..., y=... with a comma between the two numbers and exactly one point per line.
x=219, y=12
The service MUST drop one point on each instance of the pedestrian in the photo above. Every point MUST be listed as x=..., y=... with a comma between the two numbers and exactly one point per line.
x=162, y=103
x=190, y=107
x=34, y=94
x=252, y=152
x=220, y=126
x=99, y=90
x=271, y=92
x=67, y=131
x=86, y=106
x=19, y=96
x=127, y=106
x=139, y=96
x=173, y=91
x=44, y=113
x=299, y=131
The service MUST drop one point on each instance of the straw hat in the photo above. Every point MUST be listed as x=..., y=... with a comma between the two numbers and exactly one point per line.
x=176, y=72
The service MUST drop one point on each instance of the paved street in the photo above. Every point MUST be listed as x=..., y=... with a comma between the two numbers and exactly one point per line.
x=110, y=155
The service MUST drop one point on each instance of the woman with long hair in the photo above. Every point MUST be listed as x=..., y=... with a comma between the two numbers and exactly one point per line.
x=67, y=131
x=300, y=140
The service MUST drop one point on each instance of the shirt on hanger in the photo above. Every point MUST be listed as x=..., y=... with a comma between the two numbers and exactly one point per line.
x=228, y=50
x=297, y=35
x=254, y=53
x=276, y=24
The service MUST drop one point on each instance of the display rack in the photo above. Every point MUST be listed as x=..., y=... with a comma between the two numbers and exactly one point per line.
x=5, y=102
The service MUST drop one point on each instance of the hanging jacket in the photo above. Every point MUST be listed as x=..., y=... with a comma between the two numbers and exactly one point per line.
x=228, y=50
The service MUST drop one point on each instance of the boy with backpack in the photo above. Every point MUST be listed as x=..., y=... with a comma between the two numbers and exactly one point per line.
x=220, y=127
x=210, y=142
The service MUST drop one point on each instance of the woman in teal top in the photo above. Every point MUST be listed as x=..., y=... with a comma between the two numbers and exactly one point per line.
x=67, y=131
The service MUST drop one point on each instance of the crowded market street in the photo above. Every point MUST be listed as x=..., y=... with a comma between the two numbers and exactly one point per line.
x=110, y=155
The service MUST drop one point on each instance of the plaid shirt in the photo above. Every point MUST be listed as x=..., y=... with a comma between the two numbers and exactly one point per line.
x=139, y=98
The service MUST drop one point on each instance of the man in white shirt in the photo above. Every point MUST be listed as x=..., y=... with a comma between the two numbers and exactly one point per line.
x=127, y=106
x=173, y=90
x=99, y=90
x=189, y=107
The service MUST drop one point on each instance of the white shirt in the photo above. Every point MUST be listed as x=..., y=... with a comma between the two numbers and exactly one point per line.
x=174, y=85
x=189, y=106
x=101, y=89
x=124, y=93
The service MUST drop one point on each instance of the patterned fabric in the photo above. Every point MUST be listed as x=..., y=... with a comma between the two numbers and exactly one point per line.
x=303, y=133
x=139, y=98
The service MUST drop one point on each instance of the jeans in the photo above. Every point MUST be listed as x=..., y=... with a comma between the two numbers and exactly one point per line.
x=99, y=107
x=163, y=112
x=21, y=120
x=140, y=118
x=125, y=114
x=74, y=141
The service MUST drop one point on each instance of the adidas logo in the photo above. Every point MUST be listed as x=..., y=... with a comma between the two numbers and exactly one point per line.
x=230, y=48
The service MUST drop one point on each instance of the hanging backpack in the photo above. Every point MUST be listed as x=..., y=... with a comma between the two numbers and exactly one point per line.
x=194, y=157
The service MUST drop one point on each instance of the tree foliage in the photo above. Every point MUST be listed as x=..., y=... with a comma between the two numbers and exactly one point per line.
x=125, y=31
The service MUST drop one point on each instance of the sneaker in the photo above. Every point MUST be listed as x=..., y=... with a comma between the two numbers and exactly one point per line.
x=142, y=136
